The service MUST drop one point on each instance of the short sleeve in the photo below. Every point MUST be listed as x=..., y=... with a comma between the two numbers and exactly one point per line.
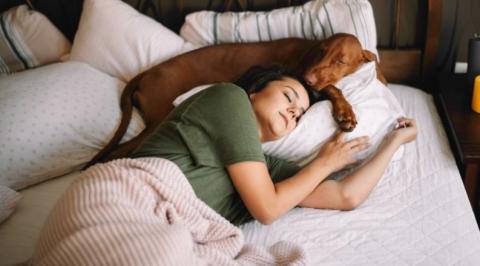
x=219, y=127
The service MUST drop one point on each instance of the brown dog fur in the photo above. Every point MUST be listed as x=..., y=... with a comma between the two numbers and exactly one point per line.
x=320, y=63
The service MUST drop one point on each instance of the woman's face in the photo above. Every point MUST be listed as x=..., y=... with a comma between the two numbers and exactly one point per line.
x=278, y=107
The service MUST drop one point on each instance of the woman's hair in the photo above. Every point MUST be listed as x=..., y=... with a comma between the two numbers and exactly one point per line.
x=257, y=78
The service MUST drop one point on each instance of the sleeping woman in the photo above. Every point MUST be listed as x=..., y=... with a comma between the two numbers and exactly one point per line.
x=215, y=138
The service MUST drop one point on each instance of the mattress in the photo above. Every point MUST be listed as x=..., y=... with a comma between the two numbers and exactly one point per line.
x=19, y=233
x=418, y=214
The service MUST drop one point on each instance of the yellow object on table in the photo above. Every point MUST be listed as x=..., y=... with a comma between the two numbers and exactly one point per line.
x=476, y=95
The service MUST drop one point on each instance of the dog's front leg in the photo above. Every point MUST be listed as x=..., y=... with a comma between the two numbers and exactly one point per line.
x=342, y=110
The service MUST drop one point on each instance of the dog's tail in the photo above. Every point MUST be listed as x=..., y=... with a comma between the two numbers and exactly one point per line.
x=126, y=106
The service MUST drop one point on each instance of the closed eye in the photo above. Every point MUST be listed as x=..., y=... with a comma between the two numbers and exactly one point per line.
x=288, y=97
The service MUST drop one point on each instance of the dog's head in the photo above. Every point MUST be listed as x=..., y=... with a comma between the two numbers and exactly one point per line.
x=334, y=58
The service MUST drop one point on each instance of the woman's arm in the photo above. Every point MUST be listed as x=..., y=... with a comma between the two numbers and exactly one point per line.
x=351, y=191
x=267, y=201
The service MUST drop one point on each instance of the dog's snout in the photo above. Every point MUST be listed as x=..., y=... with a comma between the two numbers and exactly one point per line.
x=310, y=79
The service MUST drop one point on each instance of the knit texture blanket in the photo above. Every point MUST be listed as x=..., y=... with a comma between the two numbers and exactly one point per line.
x=144, y=212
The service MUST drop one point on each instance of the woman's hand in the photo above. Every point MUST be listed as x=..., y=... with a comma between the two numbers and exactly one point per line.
x=338, y=153
x=405, y=132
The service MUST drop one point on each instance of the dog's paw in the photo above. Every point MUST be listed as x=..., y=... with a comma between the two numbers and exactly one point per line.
x=345, y=118
x=347, y=126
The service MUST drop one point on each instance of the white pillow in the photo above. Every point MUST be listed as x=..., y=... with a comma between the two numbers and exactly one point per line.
x=317, y=19
x=28, y=39
x=8, y=201
x=115, y=38
x=54, y=119
x=375, y=106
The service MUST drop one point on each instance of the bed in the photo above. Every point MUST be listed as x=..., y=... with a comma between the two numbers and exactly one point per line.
x=418, y=214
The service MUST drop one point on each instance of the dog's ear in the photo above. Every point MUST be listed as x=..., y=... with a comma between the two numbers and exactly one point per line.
x=369, y=56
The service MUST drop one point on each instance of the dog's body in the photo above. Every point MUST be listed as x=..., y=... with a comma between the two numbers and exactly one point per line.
x=321, y=63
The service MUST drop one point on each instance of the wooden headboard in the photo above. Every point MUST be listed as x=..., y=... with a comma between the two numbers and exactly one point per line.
x=415, y=66
x=406, y=64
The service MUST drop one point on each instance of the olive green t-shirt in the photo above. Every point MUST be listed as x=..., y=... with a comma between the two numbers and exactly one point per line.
x=213, y=129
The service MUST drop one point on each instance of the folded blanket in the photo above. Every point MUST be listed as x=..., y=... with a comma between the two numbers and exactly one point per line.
x=144, y=212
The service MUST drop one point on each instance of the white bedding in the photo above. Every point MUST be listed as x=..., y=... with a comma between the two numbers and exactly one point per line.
x=418, y=213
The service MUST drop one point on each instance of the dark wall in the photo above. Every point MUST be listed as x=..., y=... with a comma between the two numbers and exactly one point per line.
x=4, y=4
x=65, y=14
x=471, y=25
x=461, y=19
x=412, y=16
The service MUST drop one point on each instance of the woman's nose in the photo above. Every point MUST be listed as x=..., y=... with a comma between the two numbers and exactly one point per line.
x=293, y=113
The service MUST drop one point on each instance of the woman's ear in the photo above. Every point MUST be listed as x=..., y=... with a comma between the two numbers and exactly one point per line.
x=252, y=95
x=369, y=56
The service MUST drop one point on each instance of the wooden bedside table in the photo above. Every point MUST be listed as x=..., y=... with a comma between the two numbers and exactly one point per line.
x=462, y=125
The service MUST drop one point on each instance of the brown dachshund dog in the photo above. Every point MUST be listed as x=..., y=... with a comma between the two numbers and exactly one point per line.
x=320, y=63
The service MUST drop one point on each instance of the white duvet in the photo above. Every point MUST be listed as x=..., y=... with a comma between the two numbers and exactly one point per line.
x=418, y=214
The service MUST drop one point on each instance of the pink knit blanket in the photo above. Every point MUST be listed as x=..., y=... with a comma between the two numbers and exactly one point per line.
x=144, y=212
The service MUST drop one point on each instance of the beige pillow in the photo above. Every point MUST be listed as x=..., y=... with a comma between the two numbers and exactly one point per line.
x=28, y=39
x=118, y=40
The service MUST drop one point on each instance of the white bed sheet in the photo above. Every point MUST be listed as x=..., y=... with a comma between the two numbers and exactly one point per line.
x=418, y=214
x=19, y=233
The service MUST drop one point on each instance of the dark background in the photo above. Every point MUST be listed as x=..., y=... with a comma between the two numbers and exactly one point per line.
x=461, y=19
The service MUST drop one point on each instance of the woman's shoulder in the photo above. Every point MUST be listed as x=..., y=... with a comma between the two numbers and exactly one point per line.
x=223, y=95
x=225, y=89
x=218, y=100
x=215, y=94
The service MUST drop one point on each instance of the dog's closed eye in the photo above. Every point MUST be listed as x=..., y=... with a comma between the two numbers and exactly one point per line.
x=340, y=62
